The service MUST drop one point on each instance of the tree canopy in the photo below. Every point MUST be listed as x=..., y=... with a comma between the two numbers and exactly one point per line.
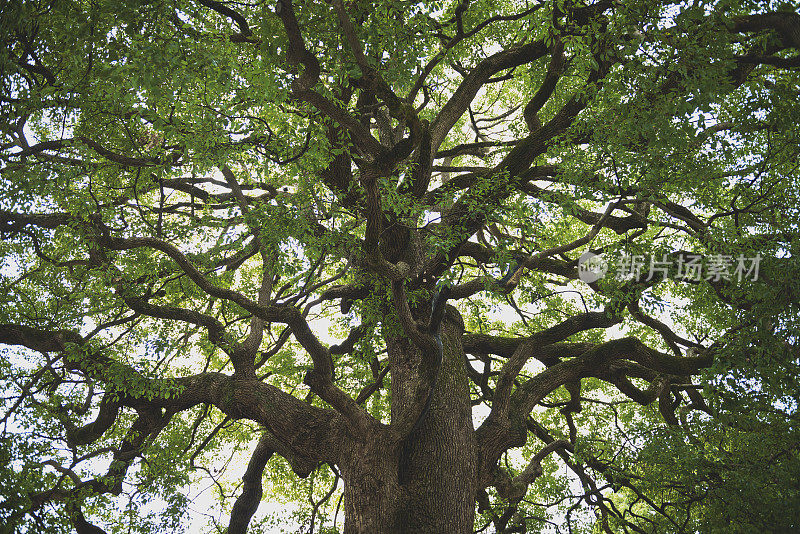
x=327, y=257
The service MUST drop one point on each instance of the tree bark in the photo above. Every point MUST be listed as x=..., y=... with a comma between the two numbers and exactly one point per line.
x=439, y=489
x=440, y=495
x=372, y=495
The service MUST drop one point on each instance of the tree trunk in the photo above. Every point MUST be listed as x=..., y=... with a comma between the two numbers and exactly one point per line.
x=372, y=496
x=438, y=495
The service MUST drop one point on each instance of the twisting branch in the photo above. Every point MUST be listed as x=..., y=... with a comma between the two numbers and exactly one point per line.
x=302, y=87
x=528, y=347
x=238, y=18
x=514, y=489
x=240, y=398
x=268, y=259
x=247, y=503
x=502, y=428
x=458, y=104
x=561, y=249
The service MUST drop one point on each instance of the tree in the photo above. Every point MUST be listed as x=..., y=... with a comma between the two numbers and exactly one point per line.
x=343, y=240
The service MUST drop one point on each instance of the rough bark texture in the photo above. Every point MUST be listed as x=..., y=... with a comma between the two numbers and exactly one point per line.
x=372, y=496
x=439, y=495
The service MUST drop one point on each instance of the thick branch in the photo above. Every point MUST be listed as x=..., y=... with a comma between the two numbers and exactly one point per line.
x=247, y=503
x=302, y=87
x=457, y=105
x=503, y=430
